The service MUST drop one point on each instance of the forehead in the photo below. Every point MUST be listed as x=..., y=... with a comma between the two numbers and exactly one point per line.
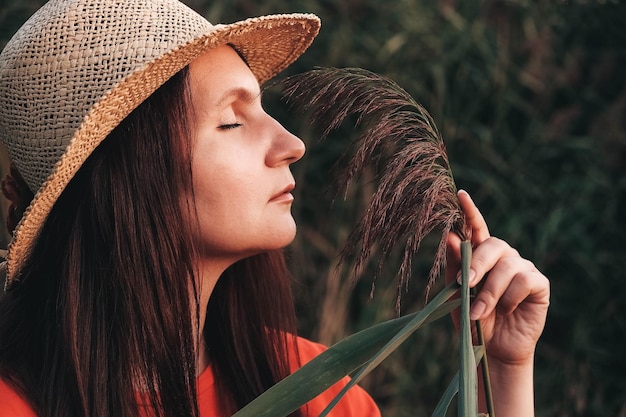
x=220, y=73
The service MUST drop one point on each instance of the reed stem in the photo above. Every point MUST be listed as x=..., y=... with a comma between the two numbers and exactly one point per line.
x=484, y=365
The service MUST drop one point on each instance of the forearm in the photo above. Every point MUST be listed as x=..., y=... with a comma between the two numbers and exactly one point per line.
x=512, y=388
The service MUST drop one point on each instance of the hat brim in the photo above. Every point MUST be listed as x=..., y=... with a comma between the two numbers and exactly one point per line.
x=269, y=44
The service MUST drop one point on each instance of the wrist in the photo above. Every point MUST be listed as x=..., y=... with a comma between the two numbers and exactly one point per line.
x=511, y=365
x=512, y=386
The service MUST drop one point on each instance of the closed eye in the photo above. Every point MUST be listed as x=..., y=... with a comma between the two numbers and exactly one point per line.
x=229, y=126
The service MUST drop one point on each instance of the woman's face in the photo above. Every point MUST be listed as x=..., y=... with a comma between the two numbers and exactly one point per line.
x=240, y=163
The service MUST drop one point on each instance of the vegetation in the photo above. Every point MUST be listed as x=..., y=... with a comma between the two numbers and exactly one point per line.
x=530, y=98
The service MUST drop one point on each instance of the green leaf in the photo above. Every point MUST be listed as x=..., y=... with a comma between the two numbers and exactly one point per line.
x=417, y=321
x=453, y=387
x=446, y=398
x=468, y=385
x=340, y=360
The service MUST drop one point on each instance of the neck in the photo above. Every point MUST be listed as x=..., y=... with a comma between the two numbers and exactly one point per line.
x=209, y=271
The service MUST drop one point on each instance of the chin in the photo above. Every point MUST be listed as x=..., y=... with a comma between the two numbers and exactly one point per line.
x=283, y=241
x=284, y=233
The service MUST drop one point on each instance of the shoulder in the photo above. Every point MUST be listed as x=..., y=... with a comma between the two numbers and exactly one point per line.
x=307, y=349
x=356, y=402
x=12, y=404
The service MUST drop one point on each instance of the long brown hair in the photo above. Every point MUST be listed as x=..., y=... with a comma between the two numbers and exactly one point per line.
x=102, y=315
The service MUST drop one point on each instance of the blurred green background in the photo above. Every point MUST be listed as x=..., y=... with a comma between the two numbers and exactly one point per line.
x=530, y=97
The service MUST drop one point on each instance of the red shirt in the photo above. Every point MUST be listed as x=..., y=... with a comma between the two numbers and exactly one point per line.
x=355, y=403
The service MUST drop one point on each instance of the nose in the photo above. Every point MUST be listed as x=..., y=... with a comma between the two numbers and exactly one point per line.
x=286, y=148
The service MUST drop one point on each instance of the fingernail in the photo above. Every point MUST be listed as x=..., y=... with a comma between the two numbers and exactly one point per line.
x=477, y=310
x=462, y=191
x=472, y=275
x=459, y=278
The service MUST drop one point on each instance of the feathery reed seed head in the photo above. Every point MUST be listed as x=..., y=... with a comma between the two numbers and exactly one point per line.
x=415, y=194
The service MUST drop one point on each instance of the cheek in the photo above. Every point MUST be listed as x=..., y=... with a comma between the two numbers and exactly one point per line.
x=223, y=187
x=224, y=199
x=226, y=174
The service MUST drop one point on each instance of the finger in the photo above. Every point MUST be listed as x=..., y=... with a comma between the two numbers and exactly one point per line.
x=453, y=266
x=480, y=231
x=487, y=255
x=453, y=255
x=509, y=283
x=520, y=288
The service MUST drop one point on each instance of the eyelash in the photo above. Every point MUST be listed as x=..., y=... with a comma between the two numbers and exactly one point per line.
x=229, y=126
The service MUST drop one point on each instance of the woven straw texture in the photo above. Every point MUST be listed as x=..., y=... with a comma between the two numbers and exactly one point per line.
x=77, y=68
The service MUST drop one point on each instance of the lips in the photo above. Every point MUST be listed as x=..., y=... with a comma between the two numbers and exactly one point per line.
x=284, y=195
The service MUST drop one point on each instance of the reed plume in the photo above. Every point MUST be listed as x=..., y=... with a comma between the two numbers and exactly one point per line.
x=416, y=193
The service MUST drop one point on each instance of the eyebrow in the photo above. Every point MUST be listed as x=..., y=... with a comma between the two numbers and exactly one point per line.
x=244, y=94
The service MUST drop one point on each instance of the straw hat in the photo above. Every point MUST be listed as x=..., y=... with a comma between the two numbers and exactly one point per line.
x=77, y=68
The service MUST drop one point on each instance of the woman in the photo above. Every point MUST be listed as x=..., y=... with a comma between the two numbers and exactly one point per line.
x=146, y=275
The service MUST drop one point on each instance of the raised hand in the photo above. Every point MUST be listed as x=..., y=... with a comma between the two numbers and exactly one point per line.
x=511, y=303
